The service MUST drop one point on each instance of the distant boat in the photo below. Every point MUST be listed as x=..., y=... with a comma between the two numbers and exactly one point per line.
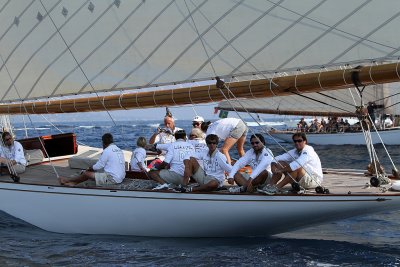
x=390, y=136
x=264, y=123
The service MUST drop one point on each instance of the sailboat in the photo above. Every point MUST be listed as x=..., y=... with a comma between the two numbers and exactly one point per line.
x=81, y=56
x=343, y=103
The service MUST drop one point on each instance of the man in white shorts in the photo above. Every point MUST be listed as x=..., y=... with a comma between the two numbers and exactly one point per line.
x=178, y=155
x=259, y=158
x=300, y=164
x=212, y=175
x=111, y=160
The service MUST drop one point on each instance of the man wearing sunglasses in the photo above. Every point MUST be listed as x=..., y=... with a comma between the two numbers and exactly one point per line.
x=259, y=158
x=12, y=153
x=300, y=164
x=212, y=174
x=197, y=121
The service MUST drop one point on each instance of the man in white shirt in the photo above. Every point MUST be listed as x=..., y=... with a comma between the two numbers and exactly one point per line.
x=212, y=175
x=111, y=161
x=12, y=154
x=300, y=164
x=165, y=135
x=178, y=155
x=259, y=158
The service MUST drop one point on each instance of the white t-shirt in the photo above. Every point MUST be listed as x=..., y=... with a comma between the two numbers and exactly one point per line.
x=113, y=162
x=222, y=127
x=258, y=163
x=215, y=165
x=166, y=138
x=14, y=152
x=307, y=158
x=200, y=147
x=138, y=155
x=177, y=152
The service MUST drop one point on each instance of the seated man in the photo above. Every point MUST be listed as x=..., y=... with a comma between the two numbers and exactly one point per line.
x=111, y=160
x=259, y=158
x=178, y=155
x=215, y=165
x=12, y=154
x=300, y=164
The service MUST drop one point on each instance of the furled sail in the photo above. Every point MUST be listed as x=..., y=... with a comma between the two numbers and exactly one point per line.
x=340, y=103
x=56, y=48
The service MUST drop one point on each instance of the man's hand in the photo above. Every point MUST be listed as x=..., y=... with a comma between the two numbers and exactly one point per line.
x=13, y=162
x=231, y=181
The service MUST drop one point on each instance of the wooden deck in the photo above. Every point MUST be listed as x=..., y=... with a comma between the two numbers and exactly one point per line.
x=337, y=181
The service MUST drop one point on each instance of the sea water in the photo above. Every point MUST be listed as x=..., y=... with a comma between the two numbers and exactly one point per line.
x=372, y=240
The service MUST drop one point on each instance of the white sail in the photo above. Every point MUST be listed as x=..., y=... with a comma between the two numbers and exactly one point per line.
x=75, y=47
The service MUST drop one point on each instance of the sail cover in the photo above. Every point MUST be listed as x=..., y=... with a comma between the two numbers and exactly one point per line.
x=338, y=102
x=53, y=48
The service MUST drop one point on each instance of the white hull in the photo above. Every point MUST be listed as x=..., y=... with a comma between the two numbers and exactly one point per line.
x=159, y=214
x=389, y=137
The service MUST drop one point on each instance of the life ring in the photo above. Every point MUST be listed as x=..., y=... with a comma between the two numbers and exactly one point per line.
x=396, y=186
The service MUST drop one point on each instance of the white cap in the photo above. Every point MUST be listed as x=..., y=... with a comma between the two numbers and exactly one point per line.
x=198, y=119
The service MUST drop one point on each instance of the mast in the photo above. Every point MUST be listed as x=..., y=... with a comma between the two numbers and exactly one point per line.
x=281, y=86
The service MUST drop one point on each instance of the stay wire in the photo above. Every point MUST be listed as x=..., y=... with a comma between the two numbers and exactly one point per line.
x=321, y=102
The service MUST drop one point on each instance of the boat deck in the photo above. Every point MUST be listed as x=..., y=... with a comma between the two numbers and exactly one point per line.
x=337, y=181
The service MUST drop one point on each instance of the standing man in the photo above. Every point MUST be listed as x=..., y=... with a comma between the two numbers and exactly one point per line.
x=111, y=160
x=12, y=154
x=259, y=158
x=212, y=175
x=300, y=164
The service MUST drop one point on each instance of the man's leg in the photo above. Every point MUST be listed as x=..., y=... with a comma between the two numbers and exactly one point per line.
x=240, y=145
x=228, y=144
x=155, y=175
x=240, y=180
x=210, y=186
x=291, y=177
x=260, y=179
x=86, y=175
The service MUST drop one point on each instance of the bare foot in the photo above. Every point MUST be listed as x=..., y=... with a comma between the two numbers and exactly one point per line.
x=63, y=180
x=70, y=184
